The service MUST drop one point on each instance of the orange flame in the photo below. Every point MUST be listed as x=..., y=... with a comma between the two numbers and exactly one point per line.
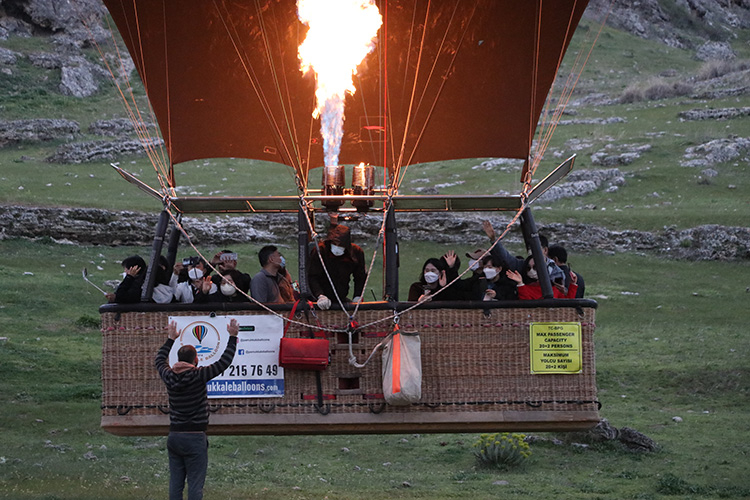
x=341, y=34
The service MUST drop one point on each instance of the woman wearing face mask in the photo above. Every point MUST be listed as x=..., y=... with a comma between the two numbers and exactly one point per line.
x=494, y=284
x=436, y=274
x=197, y=288
x=527, y=283
x=227, y=291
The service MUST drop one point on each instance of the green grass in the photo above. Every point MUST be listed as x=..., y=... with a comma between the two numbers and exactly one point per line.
x=675, y=349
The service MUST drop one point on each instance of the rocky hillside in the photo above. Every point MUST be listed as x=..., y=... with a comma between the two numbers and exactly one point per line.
x=705, y=28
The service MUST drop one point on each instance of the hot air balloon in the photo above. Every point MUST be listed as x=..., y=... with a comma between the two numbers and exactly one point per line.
x=199, y=332
x=439, y=81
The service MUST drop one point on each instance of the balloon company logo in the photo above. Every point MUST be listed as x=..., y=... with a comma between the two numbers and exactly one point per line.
x=204, y=337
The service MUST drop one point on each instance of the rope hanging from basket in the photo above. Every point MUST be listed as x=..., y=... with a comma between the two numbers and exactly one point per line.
x=353, y=327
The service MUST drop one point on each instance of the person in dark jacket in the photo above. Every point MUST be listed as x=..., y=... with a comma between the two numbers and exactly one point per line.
x=188, y=410
x=558, y=254
x=494, y=284
x=228, y=288
x=344, y=260
x=129, y=290
x=436, y=276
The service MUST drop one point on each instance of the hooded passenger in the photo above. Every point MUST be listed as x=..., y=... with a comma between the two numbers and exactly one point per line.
x=344, y=260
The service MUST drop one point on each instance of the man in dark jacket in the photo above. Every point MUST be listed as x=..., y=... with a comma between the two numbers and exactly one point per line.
x=188, y=410
x=343, y=260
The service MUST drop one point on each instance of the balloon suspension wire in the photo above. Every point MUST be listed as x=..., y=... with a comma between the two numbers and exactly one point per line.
x=396, y=315
x=292, y=154
x=443, y=81
x=413, y=92
x=178, y=225
x=150, y=143
x=550, y=119
x=316, y=240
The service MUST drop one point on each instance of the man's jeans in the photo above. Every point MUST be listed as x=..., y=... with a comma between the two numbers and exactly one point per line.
x=188, y=458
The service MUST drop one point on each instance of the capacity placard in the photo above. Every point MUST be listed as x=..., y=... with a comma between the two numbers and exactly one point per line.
x=255, y=370
x=556, y=348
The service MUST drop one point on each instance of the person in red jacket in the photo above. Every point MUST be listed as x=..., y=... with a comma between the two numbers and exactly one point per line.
x=530, y=289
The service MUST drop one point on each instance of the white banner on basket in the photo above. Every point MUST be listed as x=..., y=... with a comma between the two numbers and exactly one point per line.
x=255, y=370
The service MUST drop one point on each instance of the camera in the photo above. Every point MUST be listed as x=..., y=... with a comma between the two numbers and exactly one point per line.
x=228, y=256
x=191, y=261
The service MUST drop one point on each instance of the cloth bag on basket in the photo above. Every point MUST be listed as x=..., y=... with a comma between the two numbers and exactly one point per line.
x=402, y=368
x=303, y=353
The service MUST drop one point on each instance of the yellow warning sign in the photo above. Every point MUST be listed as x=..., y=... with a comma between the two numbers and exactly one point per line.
x=556, y=348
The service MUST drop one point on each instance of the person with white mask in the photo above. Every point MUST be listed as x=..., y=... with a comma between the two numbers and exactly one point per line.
x=228, y=289
x=198, y=287
x=434, y=280
x=344, y=261
x=494, y=284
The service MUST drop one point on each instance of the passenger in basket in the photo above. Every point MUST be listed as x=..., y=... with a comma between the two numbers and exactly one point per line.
x=558, y=254
x=130, y=288
x=528, y=285
x=163, y=293
x=465, y=288
x=494, y=283
x=516, y=263
x=435, y=277
x=226, y=260
x=343, y=260
x=288, y=288
x=265, y=285
x=198, y=287
x=228, y=291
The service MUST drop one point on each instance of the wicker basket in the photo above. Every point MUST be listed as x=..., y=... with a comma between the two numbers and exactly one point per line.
x=475, y=362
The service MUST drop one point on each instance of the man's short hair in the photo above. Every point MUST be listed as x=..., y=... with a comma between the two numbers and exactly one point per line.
x=558, y=252
x=543, y=242
x=187, y=353
x=265, y=253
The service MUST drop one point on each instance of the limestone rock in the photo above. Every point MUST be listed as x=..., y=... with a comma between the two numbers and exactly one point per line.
x=83, y=152
x=46, y=60
x=37, y=130
x=715, y=51
x=9, y=57
x=636, y=441
x=117, y=127
x=714, y=114
x=716, y=151
x=13, y=26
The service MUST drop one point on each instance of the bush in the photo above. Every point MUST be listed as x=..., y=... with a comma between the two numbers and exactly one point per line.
x=501, y=450
x=87, y=321
x=631, y=94
x=716, y=69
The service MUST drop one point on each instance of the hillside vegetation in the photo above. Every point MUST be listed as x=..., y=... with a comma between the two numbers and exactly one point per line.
x=671, y=350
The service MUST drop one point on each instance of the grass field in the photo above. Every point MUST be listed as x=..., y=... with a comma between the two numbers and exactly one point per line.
x=670, y=343
x=670, y=338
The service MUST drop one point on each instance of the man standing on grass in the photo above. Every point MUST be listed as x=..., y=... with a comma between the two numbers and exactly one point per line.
x=188, y=410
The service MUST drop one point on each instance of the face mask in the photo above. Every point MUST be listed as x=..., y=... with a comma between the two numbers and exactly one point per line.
x=227, y=289
x=490, y=272
x=431, y=277
x=283, y=261
x=532, y=274
x=124, y=274
x=337, y=250
x=195, y=274
x=473, y=264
